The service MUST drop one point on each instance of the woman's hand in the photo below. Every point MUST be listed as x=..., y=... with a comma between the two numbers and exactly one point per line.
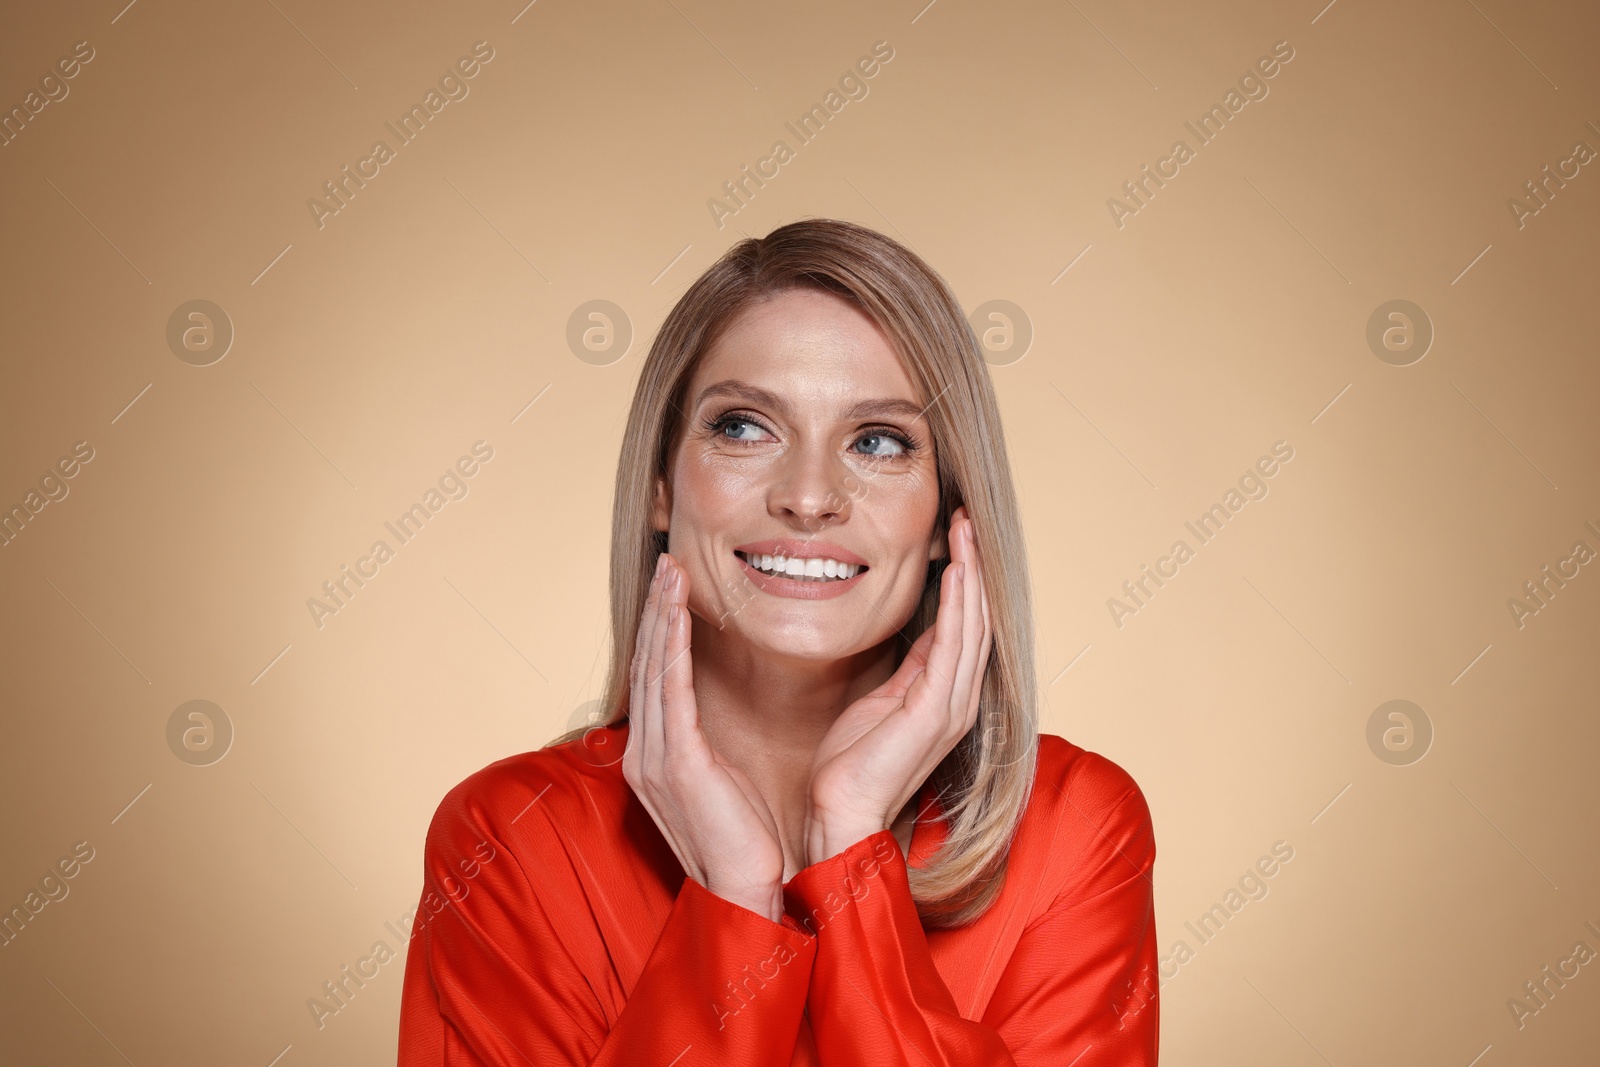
x=882, y=748
x=708, y=810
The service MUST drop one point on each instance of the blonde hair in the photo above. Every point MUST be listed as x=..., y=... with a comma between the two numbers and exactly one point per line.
x=985, y=781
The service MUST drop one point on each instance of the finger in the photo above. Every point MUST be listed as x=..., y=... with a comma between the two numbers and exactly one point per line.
x=647, y=618
x=650, y=626
x=968, y=712
x=914, y=663
x=986, y=632
x=752, y=795
x=952, y=535
x=984, y=647
x=932, y=687
x=638, y=719
x=983, y=586
x=655, y=662
x=967, y=669
x=680, y=719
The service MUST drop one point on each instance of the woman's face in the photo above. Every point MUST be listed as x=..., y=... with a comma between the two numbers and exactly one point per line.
x=805, y=439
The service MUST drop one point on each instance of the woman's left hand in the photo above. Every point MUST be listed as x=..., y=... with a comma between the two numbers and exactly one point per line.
x=882, y=748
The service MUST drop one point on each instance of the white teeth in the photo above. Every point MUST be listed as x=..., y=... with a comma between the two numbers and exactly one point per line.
x=811, y=569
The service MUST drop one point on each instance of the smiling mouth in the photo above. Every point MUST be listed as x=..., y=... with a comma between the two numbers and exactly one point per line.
x=816, y=569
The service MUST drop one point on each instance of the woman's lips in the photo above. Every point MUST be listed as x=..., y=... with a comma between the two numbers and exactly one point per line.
x=810, y=571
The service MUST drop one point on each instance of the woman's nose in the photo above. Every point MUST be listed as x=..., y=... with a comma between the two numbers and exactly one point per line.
x=811, y=489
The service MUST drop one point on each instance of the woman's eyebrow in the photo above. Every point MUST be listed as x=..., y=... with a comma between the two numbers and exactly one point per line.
x=880, y=407
x=885, y=410
x=732, y=387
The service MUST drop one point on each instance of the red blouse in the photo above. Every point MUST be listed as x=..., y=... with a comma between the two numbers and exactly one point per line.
x=557, y=927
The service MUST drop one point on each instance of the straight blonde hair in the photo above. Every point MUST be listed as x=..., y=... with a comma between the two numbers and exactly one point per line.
x=985, y=781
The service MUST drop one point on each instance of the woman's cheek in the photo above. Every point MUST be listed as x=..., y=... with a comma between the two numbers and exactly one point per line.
x=717, y=583
x=910, y=521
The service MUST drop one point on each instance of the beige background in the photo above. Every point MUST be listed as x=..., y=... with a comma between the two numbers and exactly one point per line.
x=1228, y=314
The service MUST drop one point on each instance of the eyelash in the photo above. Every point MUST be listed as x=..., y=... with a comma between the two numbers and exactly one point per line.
x=716, y=424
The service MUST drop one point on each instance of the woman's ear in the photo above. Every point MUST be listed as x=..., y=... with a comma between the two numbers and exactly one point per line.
x=661, y=513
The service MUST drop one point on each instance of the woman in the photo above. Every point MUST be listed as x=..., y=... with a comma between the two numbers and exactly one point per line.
x=831, y=833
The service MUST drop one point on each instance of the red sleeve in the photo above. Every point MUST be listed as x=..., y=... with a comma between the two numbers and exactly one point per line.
x=490, y=979
x=877, y=997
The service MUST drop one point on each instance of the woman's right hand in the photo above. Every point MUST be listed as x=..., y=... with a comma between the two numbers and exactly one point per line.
x=708, y=809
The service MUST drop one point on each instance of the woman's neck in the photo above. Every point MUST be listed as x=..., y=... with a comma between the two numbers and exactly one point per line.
x=767, y=714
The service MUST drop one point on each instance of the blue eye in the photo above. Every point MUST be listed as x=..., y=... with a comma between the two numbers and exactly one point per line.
x=741, y=431
x=904, y=446
x=879, y=445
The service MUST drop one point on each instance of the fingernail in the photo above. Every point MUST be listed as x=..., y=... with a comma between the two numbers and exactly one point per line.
x=661, y=562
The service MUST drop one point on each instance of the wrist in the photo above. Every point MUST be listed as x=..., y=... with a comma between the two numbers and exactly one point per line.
x=765, y=901
x=826, y=838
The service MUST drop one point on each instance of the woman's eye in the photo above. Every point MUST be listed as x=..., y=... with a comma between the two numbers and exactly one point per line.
x=743, y=423
x=878, y=439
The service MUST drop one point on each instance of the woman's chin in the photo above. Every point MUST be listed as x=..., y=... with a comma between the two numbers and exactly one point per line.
x=780, y=645
x=817, y=633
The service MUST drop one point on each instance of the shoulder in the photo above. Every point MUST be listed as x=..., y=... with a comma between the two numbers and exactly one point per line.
x=1094, y=817
x=499, y=852
x=1085, y=780
x=523, y=799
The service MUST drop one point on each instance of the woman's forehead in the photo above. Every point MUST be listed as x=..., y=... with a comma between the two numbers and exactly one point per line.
x=806, y=343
